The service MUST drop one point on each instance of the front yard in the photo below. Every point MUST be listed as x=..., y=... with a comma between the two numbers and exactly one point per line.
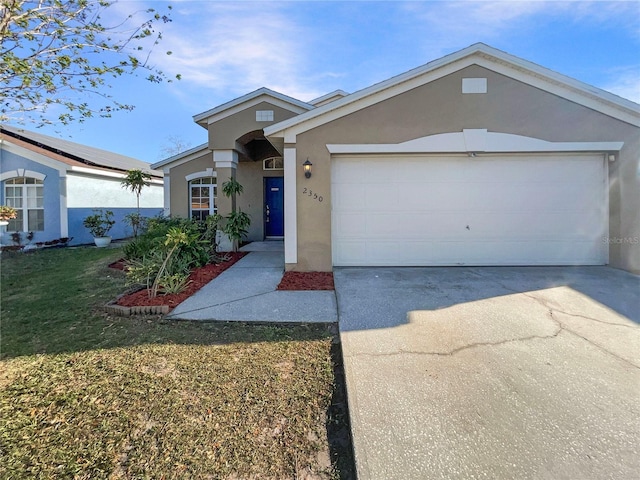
x=86, y=395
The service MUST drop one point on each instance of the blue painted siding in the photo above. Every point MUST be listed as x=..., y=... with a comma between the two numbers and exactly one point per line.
x=10, y=161
x=120, y=230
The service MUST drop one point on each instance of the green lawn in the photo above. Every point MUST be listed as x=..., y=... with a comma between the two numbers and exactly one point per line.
x=86, y=395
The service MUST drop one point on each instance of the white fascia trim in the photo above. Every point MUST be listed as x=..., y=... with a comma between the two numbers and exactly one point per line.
x=290, y=207
x=289, y=129
x=21, y=172
x=249, y=100
x=107, y=174
x=183, y=157
x=209, y=172
x=34, y=156
x=479, y=54
x=225, y=159
x=475, y=140
x=570, y=89
x=252, y=103
x=328, y=96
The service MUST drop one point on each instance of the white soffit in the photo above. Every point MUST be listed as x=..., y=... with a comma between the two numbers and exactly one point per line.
x=250, y=100
x=478, y=54
x=183, y=157
x=475, y=140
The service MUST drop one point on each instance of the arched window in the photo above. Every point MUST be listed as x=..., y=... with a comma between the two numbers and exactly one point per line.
x=26, y=195
x=273, y=163
x=202, y=197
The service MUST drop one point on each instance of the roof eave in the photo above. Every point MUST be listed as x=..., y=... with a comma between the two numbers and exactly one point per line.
x=167, y=161
x=202, y=119
x=479, y=49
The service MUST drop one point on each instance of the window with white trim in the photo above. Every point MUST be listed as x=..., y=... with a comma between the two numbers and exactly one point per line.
x=274, y=163
x=202, y=197
x=26, y=195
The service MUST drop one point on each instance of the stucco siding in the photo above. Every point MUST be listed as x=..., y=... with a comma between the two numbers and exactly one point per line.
x=251, y=176
x=120, y=230
x=179, y=203
x=509, y=106
x=52, y=189
x=89, y=191
x=224, y=133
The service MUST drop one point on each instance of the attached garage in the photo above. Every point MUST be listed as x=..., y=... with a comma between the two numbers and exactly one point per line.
x=478, y=158
x=469, y=209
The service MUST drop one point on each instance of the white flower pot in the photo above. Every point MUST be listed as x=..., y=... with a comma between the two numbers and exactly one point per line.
x=102, y=242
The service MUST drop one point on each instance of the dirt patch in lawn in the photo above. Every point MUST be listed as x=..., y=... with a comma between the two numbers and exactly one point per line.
x=306, y=281
x=198, y=278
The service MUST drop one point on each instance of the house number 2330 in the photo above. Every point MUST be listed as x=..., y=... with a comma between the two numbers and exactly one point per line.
x=309, y=193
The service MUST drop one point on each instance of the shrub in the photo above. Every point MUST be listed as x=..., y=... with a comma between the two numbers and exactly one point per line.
x=161, y=258
x=100, y=222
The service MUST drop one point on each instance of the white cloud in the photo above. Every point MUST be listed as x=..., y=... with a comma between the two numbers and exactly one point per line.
x=625, y=82
x=451, y=25
x=237, y=48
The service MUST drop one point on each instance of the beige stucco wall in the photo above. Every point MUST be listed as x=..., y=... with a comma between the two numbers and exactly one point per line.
x=224, y=133
x=439, y=107
x=251, y=177
x=179, y=203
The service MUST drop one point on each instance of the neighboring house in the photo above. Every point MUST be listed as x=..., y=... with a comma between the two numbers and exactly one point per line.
x=478, y=158
x=55, y=184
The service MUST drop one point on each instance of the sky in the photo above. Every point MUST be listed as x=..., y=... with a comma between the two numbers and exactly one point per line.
x=305, y=49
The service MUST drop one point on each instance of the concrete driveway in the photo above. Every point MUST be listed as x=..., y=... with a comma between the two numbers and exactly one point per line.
x=492, y=372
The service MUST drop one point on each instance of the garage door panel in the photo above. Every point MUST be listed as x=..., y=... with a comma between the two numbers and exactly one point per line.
x=511, y=210
x=394, y=252
x=350, y=225
x=381, y=196
x=465, y=227
x=350, y=196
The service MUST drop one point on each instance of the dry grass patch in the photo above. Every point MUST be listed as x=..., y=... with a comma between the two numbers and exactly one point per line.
x=88, y=396
x=169, y=411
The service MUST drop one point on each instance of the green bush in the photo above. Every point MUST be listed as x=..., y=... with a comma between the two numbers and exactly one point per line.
x=161, y=258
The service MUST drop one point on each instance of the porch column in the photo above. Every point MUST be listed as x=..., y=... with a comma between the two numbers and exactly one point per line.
x=226, y=163
x=290, y=208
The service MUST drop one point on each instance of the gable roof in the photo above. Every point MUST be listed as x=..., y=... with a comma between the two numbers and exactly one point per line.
x=183, y=156
x=328, y=98
x=248, y=100
x=478, y=54
x=75, y=154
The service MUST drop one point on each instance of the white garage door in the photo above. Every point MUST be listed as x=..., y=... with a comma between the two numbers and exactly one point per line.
x=457, y=210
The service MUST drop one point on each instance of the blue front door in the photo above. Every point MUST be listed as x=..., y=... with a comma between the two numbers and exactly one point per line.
x=274, y=207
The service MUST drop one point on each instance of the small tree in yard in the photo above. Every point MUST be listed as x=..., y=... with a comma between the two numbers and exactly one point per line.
x=135, y=180
x=237, y=222
x=57, y=52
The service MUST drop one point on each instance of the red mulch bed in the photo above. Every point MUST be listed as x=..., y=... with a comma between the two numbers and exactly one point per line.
x=306, y=281
x=199, y=277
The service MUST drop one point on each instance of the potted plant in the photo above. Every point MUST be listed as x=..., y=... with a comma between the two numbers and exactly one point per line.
x=99, y=225
x=7, y=213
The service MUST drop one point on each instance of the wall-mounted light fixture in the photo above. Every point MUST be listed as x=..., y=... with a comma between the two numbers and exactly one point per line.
x=307, y=168
x=611, y=158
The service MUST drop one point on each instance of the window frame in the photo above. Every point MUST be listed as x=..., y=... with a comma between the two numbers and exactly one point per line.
x=27, y=184
x=212, y=188
x=273, y=159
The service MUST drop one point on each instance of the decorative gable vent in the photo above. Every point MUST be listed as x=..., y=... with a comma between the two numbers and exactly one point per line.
x=264, y=115
x=474, y=85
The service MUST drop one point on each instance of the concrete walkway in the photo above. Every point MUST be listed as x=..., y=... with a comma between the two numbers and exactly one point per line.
x=492, y=372
x=247, y=292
